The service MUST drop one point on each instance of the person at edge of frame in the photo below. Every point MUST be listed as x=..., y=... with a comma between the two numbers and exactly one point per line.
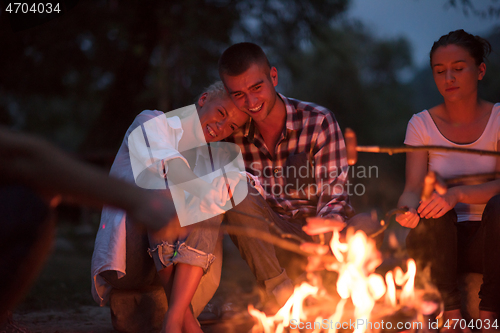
x=35, y=177
x=458, y=231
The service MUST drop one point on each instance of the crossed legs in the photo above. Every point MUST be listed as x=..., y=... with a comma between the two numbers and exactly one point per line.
x=181, y=262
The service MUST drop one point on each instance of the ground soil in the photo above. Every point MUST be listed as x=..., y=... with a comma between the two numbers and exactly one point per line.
x=60, y=300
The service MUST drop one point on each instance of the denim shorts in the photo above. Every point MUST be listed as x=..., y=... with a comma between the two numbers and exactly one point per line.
x=180, y=252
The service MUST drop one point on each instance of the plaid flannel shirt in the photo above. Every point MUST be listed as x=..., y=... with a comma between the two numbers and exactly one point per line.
x=308, y=175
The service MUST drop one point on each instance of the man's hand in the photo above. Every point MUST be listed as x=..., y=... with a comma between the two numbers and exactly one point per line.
x=409, y=219
x=320, y=225
x=314, y=248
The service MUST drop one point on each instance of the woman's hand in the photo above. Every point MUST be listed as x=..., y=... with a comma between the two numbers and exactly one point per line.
x=438, y=205
x=224, y=187
x=409, y=219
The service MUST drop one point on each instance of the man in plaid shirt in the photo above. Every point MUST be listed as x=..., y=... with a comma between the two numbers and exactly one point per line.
x=295, y=155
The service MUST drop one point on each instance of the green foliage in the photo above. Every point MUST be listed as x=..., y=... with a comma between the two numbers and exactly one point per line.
x=489, y=87
x=82, y=78
x=283, y=26
x=104, y=62
x=492, y=9
x=358, y=77
x=114, y=59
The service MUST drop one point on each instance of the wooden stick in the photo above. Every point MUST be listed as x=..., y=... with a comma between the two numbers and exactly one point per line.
x=267, y=237
x=397, y=150
x=272, y=225
x=352, y=148
x=281, y=240
x=476, y=176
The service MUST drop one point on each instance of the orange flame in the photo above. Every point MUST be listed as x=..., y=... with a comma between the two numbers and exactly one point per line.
x=357, y=261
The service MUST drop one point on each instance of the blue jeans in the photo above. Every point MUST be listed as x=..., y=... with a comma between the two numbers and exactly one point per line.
x=196, y=249
x=452, y=247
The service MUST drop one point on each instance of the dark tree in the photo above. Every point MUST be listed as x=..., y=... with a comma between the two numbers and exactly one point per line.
x=470, y=7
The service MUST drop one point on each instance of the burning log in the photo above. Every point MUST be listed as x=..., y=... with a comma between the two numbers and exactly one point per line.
x=421, y=317
x=352, y=148
x=363, y=295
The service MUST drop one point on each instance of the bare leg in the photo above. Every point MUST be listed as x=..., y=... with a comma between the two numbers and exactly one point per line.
x=190, y=324
x=167, y=277
x=185, y=282
x=182, y=281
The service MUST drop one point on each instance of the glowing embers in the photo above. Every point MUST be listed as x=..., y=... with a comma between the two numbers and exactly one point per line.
x=311, y=309
x=293, y=309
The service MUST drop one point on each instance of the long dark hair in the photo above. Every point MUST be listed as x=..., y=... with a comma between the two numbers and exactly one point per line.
x=478, y=47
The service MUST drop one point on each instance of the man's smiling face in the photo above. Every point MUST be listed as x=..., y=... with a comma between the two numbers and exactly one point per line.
x=253, y=91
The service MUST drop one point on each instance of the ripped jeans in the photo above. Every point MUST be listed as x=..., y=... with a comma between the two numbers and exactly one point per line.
x=180, y=253
x=195, y=249
x=201, y=247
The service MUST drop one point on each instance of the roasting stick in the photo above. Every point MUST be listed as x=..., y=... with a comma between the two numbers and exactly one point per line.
x=353, y=148
x=432, y=182
x=477, y=176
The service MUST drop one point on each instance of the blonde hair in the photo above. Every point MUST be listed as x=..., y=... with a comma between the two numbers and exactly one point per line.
x=215, y=90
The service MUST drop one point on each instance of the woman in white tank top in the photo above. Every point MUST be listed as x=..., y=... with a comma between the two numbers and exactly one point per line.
x=460, y=230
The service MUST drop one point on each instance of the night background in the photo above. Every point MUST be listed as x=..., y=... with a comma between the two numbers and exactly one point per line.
x=80, y=78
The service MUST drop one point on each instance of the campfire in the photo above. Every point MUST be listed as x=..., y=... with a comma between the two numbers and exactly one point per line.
x=365, y=301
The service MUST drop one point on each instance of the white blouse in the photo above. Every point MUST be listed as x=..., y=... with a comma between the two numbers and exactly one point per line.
x=422, y=131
